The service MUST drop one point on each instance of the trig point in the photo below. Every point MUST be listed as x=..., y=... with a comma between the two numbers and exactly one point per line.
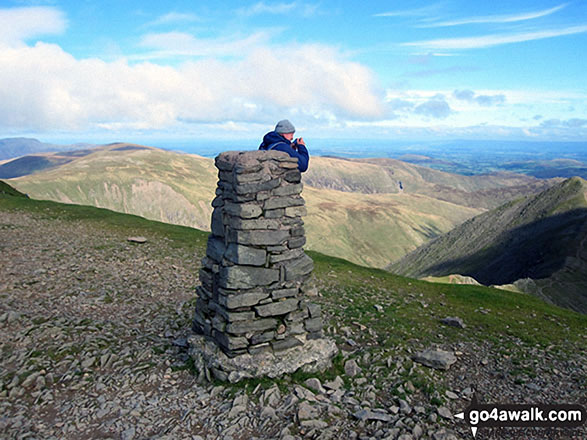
x=252, y=317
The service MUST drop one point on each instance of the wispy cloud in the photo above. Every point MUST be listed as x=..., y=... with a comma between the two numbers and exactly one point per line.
x=278, y=9
x=19, y=24
x=485, y=41
x=510, y=18
x=173, y=18
x=172, y=44
x=415, y=12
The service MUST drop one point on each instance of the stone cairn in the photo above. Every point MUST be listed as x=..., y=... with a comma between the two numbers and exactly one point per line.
x=252, y=318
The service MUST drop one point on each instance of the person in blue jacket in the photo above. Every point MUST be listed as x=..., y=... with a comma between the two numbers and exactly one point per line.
x=281, y=139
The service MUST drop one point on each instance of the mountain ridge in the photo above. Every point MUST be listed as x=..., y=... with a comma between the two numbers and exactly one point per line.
x=537, y=243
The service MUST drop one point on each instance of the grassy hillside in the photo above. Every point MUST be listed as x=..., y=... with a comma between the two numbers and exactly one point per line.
x=540, y=238
x=7, y=190
x=356, y=209
x=152, y=183
x=390, y=176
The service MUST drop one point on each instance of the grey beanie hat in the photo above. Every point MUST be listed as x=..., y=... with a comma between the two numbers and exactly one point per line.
x=284, y=126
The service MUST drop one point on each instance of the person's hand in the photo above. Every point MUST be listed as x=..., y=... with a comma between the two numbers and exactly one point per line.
x=301, y=141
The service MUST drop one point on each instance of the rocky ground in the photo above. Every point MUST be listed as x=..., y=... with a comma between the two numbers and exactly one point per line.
x=93, y=345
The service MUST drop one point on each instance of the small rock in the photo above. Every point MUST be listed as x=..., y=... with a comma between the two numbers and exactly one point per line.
x=335, y=384
x=451, y=395
x=405, y=437
x=378, y=307
x=404, y=407
x=434, y=358
x=268, y=413
x=351, y=368
x=88, y=362
x=444, y=412
x=453, y=321
x=314, y=424
x=533, y=386
x=128, y=434
x=137, y=239
x=314, y=384
x=307, y=411
x=375, y=414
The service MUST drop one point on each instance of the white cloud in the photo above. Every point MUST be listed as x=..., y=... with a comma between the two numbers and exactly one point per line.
x=44, y=88
x=173, y=18
x=259, y=8
x=20, y=24
x=511, y=18
x=493, y=40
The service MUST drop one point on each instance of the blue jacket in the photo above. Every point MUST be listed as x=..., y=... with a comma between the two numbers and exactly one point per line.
x=275, y=141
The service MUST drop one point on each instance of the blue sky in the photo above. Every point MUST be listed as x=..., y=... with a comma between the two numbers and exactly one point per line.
x=91, y=70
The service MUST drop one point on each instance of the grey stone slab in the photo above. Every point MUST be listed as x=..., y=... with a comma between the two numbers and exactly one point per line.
x=218, y=202
x=245, y=255
x=297, y=231
x=293, y=176
x=288, y=190
x=274, y=213
x=247, y=277
x=257, y=325
x=287, y=255
x=260, y=176
x=286, y=343
x=284, y=293
x=298, y=268
x=215, y=248
x=296, y=211
x=250, y=188
x=243, y=210
x=262, y=337
x=313, y=325
x=298, y=315
x=314, y=310
x=231, y=342
x=296, y=242
x=240, y=300
x=251, y=224
x=435, y=358
x=260, y=348
x=277, y=308
x=267, y=237
x=295, y=328
x=313, y=356
x=230, y=316
x=217, y=224
x=225, y=161
x=283, y=202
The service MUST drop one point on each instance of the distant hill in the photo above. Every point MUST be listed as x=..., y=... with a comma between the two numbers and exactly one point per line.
x=390, y=176
x=537, y=243
x=16, y=147
x=356, y=208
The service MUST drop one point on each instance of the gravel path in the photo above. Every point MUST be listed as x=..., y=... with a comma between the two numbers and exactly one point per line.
x=93, y=345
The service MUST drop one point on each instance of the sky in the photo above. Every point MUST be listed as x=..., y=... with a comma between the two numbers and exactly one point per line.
x=89, y=70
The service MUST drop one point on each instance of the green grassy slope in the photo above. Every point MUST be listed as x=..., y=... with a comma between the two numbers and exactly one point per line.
x=7, y=190
x=410, y=309
x=542, y=238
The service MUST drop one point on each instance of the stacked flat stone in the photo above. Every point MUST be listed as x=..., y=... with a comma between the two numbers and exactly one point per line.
x=251, y=296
